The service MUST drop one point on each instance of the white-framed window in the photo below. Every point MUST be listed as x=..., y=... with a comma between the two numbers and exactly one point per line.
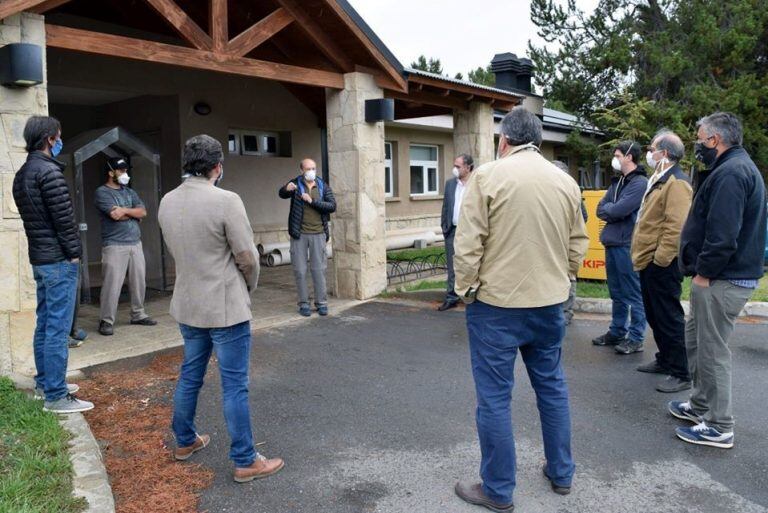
x=254, y=142
x=233, y=143
x=260, y=143
x=424, y=166
x=389, y=183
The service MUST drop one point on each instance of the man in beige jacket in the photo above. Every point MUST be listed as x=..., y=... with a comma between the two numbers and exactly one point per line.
x=520, y=235
x=208, y=233
x=655, y=244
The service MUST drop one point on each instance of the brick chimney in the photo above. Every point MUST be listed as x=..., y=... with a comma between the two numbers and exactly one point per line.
x=512, y=73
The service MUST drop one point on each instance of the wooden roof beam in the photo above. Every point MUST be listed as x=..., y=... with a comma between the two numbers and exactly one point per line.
x=318, y=35
x=48, y=5
x=183, y=24
x=10, y=7
x=219, y=24
x=429, y=99
x=260, y=32
x=119, y=46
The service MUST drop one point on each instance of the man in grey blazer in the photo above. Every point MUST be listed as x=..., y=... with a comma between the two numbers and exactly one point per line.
x=449, y=219
x=209, y=235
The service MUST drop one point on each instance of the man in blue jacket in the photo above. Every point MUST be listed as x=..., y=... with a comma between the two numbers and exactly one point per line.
x=312, y=203
x=618, y=209
x=721, y=246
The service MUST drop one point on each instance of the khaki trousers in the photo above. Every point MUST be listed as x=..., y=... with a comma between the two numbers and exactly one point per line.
x=115, y=260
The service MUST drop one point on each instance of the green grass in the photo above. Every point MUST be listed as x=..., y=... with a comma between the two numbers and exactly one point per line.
x=599, y=289
x=35, y=472
x=410, y=254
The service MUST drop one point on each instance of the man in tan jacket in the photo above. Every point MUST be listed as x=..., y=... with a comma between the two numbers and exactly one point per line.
x=208, y=233
x=655, y=244
x=520, y=235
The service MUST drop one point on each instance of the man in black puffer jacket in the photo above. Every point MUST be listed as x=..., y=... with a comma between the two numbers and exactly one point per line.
x=42, y=197
x=312, y=204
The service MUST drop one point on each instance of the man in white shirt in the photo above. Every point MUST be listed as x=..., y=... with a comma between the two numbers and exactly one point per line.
x=454, y=194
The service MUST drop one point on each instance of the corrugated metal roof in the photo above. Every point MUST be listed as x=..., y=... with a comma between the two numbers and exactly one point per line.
x=449, y=80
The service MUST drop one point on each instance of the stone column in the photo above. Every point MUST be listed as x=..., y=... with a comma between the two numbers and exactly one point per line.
x=356, y=164
x=17, y=287
x=473, y=132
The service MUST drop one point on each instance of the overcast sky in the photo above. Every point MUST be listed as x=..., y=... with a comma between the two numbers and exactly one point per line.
x=463, y=34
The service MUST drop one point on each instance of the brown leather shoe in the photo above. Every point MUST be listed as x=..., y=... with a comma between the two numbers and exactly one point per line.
x=259, y=469
x=474, y=494
x=183, y=453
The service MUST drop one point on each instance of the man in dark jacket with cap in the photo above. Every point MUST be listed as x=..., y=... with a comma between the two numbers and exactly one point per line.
x=42, y=197
x=121, y=212
x=618, y=209
x=312, y=203
x=722, y=247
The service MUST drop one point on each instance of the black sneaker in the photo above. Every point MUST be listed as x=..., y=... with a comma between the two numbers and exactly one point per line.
x=106, y=329
x=629, y=347
x=672, y=384
x=146, y=321
x=608, y=339
x=652, y=368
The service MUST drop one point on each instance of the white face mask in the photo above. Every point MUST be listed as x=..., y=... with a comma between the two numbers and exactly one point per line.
x=123, y=179
x=455, y=172
x=652, y=162
x=310, y=175
x=616, y=164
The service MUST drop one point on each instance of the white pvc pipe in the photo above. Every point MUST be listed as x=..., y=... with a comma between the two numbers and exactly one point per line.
x=266, y=249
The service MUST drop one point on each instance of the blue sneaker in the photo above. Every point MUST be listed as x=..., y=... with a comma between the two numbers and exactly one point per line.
x=322, y=310
x=682, y=410
x=701, y=434
x=305, y=311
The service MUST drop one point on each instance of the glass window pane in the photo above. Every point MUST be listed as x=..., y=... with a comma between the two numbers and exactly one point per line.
x=423, y=153
x=417, y=179
x=387, y=180
x=270, y=143
x=232, y=143
x=432, y=178
x=387, y=151
x=250, y=143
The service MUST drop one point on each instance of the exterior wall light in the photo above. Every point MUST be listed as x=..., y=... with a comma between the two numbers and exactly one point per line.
x=21, y=65
x=202, y=108
x=382, y=109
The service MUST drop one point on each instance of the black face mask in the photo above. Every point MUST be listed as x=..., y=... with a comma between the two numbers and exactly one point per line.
x=705, y=155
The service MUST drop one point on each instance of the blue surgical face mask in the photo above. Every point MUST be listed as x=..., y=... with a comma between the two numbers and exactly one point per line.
x=57, y=147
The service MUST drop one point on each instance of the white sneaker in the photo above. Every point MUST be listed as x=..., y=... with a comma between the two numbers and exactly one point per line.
x=71, y=389
x=67, y=404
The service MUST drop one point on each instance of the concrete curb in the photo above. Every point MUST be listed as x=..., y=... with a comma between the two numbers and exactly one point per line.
x=90, y=476
x=603, y=306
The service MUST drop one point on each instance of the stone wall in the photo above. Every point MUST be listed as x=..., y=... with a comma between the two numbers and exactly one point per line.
x=473, y=132
x=17, y=287
x=356, y=164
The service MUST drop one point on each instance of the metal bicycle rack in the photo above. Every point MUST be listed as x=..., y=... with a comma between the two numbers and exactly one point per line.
x=401, y=271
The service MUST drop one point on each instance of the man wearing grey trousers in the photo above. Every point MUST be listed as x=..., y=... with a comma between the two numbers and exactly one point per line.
x=312, y=203
x=722, y=246
x=121, y=211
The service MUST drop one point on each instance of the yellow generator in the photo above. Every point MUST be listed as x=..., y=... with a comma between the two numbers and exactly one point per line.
x=593, y=266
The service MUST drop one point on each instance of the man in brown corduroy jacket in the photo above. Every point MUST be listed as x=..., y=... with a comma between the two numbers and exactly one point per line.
x=655, y=244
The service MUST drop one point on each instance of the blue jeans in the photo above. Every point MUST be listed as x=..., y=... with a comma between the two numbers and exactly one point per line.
x=232, y=346
x=624, y=287
x=56, y=292
x=495, y=335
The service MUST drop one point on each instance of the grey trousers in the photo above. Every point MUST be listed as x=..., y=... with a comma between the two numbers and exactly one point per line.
x=450, y=294
x=115, y=261
x=713, y=315
x=310, y=246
